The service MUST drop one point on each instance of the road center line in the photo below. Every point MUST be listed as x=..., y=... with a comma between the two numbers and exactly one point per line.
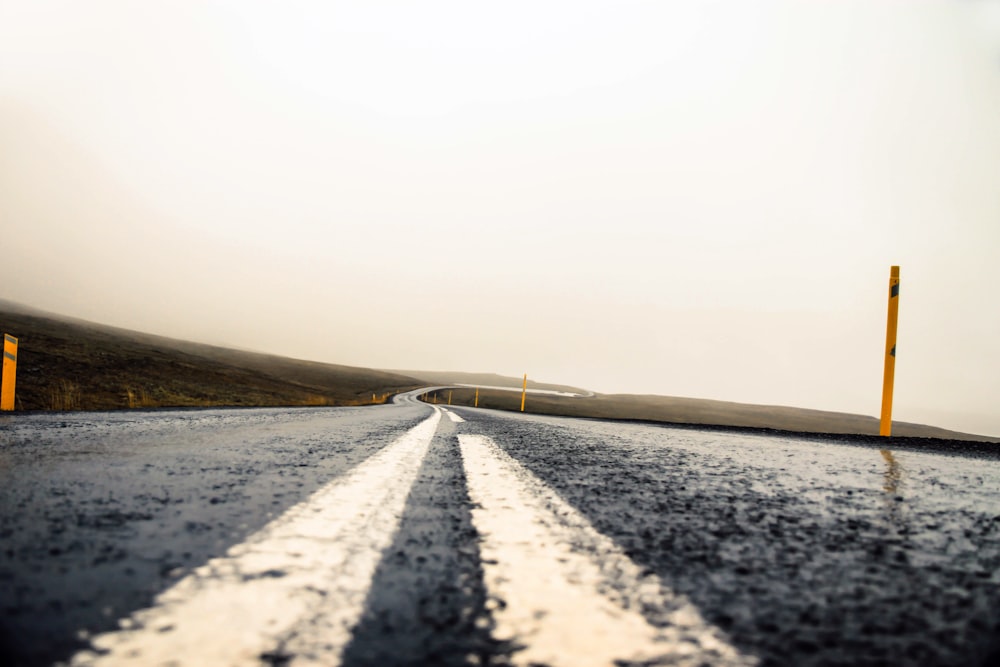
x=453, y=416
x=316, y=561
x=564, y=591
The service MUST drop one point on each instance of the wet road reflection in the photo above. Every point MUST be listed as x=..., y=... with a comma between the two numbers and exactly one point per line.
x=893, y=473
x=891, y=482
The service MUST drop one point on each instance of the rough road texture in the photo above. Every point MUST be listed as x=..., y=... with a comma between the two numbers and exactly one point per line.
x=99, y=512
x=806, y=554
x=802, y=552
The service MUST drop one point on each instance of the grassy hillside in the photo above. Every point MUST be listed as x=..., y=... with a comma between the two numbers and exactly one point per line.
x=72, y=364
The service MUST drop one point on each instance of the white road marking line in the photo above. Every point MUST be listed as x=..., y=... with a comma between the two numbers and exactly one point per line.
x=316, y=561
x=565, y=592
x=453, y=416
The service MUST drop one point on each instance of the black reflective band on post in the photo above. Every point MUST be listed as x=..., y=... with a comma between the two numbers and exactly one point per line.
x=9, y=338
x=895, y=291
x=9, y=355
x=893, y=351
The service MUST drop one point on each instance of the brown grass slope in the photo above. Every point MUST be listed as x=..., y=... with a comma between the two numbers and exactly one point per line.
x=65, y=363
x=699, y=412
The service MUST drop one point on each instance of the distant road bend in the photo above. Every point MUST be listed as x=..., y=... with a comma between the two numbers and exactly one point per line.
x=546, y=392
x=411, y=534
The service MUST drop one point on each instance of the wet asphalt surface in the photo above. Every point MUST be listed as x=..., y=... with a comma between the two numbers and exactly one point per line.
x=101, y=511
x=802, y=552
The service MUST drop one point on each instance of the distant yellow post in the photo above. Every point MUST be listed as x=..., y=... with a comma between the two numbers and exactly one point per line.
x=524, y=391
x=374, y=400
x=449, y=397
x=888, y=374
x=477, y=398
x=9, y=372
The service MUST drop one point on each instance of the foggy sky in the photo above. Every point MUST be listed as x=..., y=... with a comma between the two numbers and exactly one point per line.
x=692, y=199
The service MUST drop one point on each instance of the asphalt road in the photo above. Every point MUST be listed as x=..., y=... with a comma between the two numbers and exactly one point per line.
x=410, y=535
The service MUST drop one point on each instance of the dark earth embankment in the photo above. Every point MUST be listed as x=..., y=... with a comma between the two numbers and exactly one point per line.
x=706, y=414
x=66, y=364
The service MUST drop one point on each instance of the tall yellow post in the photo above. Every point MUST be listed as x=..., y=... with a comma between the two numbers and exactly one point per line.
x=449, y=397
x=477, y=398
x=9, y=372
x=888, y=374
x=524, y=391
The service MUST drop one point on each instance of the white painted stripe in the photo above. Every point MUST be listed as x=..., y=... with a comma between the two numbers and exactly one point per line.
x=565, y=592
x=452, y=416
x=296, y=586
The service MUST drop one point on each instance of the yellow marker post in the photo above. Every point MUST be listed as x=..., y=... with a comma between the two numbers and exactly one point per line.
x=449, y=397
x=477, y=398
x=9, y=372
x=888, y=374
x=524, y=391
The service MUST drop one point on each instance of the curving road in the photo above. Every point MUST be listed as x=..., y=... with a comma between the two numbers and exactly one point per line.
x=409, y=534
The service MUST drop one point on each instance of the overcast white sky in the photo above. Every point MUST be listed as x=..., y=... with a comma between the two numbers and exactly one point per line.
x=685, y=198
